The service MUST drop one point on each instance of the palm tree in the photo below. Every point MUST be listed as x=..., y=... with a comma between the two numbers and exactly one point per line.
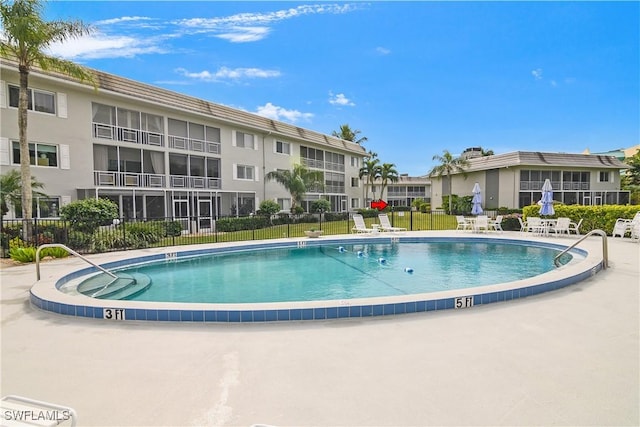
x=448, y=165
x=297, y=182
x=10, y=190
x=371, y=170
x=348, y=134
x=26, y=37
x=388, y=173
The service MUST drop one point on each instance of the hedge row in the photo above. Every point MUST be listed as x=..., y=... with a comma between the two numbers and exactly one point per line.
x=601, y=217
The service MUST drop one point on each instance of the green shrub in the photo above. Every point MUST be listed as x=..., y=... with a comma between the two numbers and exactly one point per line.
x=173, y=228
x=54, y=252
x=88, y=214
x=425, y=207
x=601, y=217
x=23, y=254
x=79, y=240
x=320, y=205
x=268, y=208
x=244, y=223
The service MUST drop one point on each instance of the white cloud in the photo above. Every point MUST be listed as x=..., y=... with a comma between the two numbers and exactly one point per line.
x=245, y=34
x=537, y=73
x=340, y=99
x=383, y=50
x=123, y=19
x=225, y=73
x=104, y=46
x=274, y=112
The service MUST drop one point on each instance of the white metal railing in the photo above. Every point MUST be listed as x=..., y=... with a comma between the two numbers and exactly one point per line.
x=128, y=179
x=72, y=252
x=605, y=248
x=119, y=133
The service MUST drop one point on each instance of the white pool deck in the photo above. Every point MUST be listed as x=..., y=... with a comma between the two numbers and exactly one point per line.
x=569, y=357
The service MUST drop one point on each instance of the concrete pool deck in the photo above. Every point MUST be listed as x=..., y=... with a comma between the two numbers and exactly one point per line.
x=566, y=357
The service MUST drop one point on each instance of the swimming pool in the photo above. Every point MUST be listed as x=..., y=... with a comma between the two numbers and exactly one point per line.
x=327, y=272
x=47, y=294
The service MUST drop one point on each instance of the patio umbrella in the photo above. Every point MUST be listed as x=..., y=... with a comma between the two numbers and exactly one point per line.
x=547, y=199
x=476, y=209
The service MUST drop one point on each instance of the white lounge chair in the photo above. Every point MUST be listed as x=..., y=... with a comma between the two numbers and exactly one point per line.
x=575, y=227
x=360, y=226
x=385, y=224
x=561, y=226
x=481, y=224
x=463, y=224
x=496, y=224
x=625, y=225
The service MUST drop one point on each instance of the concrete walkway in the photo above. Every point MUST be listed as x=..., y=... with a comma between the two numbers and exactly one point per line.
x=569, y=357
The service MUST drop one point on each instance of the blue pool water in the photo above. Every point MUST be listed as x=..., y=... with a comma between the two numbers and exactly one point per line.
x=340, y=272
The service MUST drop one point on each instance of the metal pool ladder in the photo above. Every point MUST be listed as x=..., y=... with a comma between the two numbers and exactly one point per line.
x=72, y=252
x=605, y=250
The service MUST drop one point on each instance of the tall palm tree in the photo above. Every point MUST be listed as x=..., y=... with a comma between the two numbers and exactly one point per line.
x=26, y=37
x=371, y=170
x=448, y=165
x=11, y=190
x=297, y=182
x=348, y=134
x=388, y=173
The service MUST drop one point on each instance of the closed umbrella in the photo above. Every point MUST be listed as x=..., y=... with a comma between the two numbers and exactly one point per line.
x=476, y=208
x=547, y=199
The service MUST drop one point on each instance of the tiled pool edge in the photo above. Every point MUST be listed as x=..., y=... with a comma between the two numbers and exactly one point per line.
x=103, y=309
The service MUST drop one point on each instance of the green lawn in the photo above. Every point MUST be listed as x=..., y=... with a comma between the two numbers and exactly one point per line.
x=421, y=221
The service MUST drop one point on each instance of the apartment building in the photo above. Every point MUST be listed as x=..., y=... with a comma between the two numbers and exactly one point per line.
x=159, y=153
x=514, y=180
x=402, y=192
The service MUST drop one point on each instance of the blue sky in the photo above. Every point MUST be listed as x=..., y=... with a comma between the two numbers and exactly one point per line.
x=415, y=78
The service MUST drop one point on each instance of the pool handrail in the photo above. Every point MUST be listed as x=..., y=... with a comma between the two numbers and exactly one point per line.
x=605, y=250
x=72, y=252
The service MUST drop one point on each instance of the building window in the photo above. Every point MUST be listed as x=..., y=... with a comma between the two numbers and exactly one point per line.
x=355, y=182
x=39, y=154
x=603, y=176
x=245, y=172
x=355, y=203
x=47, y=207
x=285, y=204
x=355, y=162
x=283, y=147
x=244, y=140
x=44, y=102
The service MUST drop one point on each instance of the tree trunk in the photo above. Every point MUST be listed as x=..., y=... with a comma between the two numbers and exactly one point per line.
x=25, y=158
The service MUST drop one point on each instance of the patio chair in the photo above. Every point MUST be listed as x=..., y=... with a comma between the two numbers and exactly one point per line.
x=463, y=224
x=625, y=225
x=575, y=227
x=523, y=225
x=481, y=223
x=496, y=224
x=534, y=224
x=385, y=224
x=360, y=226
x=561, y=226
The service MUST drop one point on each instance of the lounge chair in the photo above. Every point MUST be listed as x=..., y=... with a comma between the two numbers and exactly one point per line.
x=625, y=225
x=385, y=224
x=575, y=227
x=481, y=223
x=561, y=226
x=463, y=224
x=496, y=224
x=360, y=226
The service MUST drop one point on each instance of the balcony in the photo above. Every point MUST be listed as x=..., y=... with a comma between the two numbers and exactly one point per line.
x=135, y=136
x=191, y=144
x=201, y=182
x=128, y=179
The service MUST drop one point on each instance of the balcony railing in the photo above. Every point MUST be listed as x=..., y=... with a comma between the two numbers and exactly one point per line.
x=128, y=179
x=183, y=181
x=136, y=136
x=191, y=144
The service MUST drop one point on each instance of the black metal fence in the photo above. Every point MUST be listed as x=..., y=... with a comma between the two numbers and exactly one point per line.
x=123, y=234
